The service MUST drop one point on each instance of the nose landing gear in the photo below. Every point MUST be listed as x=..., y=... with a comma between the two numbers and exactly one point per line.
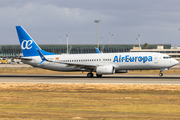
x=160, y=74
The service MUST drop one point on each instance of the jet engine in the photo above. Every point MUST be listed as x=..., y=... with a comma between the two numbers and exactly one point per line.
x=105, y=70
x=122, y=71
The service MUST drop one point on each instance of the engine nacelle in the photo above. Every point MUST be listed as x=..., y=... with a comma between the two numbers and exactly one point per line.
x=105, y=70
x=122, y=71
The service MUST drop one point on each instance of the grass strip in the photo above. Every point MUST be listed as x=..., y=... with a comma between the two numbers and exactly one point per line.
x=89, y=101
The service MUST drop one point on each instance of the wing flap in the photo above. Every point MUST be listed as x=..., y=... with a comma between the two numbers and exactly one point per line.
x=77, y=65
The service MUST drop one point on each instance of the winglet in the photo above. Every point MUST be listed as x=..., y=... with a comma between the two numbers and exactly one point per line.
x=97, y=50
x=42, y=57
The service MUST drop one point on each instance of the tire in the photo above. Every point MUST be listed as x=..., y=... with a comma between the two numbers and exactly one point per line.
x=160, y=74
x=98, y=75
x=90, y=75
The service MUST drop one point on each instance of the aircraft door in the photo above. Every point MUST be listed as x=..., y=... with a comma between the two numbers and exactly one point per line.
x=156, y=59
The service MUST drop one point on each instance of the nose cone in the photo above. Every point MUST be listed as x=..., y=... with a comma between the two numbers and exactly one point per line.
x=175, y=62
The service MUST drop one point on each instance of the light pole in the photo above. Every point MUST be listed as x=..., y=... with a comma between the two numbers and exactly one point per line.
x=60, y=39
x=101, y=40
x=67, y=43
x=97, y=21
x=112, y=38
x=139, y=40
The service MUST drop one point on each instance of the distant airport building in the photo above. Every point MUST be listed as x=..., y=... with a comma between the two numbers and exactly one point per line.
x=15, y=50
x=174, y=52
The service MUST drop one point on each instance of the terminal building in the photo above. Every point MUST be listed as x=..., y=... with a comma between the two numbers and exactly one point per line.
x=15, y=50
x=174, y=52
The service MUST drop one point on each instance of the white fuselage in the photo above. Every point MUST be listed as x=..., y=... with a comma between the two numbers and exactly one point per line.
x=121, y=61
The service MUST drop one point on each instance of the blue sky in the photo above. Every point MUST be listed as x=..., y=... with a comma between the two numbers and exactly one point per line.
x=157, y=21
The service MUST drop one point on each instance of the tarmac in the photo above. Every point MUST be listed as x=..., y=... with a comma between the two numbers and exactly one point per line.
x=82, y=79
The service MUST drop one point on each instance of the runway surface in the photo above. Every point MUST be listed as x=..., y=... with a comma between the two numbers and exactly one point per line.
x=76, y=78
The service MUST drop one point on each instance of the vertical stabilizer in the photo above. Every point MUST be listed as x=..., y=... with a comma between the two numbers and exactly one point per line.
x=27, y=44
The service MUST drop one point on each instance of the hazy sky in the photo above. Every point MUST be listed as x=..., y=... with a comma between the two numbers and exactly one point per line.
x=157, y=21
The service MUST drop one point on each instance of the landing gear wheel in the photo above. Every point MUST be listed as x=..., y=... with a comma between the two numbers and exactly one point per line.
x=98, y=75
x=90, y=75
x=160, y=74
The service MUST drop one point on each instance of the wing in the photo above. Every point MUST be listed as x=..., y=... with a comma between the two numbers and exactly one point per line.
x=69, y=64
x=97, y=50
x=22, y=58
x=78, y=65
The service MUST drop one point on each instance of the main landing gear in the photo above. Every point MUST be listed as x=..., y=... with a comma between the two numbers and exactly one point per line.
x=90, y=75
x=97, y=75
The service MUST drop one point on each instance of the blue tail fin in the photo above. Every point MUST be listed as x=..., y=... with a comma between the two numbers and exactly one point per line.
x=28, y=45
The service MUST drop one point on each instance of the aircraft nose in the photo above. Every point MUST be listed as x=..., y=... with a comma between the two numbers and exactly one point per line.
x=175, y=62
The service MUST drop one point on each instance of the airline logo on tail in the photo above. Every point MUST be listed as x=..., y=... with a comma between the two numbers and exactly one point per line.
x=26, y=44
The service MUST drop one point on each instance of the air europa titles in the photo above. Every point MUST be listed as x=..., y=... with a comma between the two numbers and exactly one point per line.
x=128, y=58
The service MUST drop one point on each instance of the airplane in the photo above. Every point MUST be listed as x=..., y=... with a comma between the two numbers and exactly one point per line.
x=101, y=64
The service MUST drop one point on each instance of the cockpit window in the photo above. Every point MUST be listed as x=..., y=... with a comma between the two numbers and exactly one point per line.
x=168, y=57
